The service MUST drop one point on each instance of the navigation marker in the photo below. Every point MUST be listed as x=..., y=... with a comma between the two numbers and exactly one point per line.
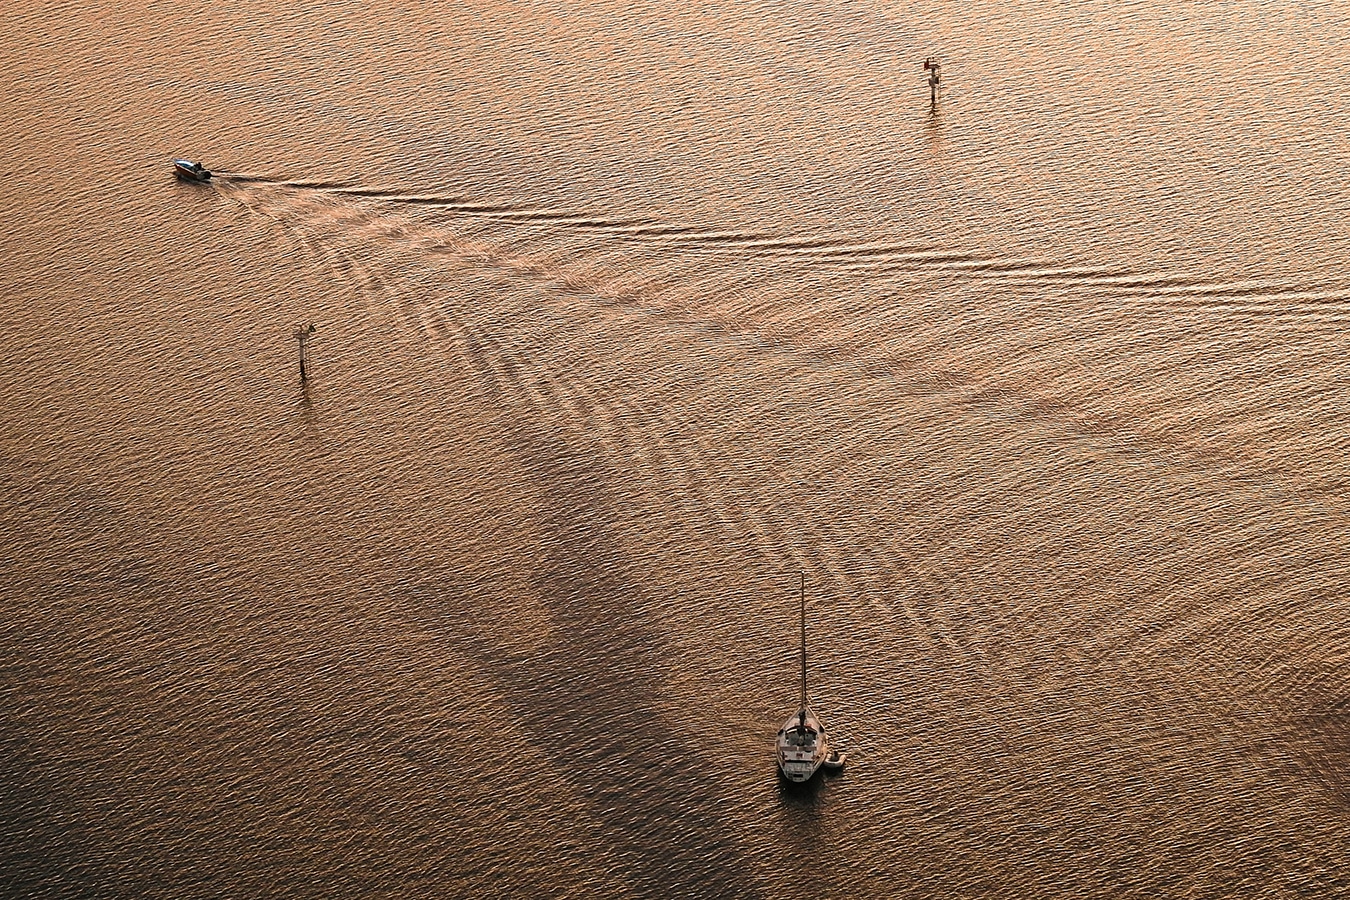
x=302, y=334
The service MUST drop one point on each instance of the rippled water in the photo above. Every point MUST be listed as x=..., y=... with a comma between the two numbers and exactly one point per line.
x=627, y=314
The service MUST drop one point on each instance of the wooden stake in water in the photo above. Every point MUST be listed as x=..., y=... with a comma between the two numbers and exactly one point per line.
x=302, y=334
x=934, y=70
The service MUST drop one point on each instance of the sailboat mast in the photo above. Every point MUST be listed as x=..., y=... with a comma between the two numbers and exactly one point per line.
x=803, y=574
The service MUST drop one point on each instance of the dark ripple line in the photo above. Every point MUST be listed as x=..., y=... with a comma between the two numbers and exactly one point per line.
x=244, y=178
x=875, y=259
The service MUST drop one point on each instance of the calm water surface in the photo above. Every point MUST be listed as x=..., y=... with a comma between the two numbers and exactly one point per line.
x=626, y=314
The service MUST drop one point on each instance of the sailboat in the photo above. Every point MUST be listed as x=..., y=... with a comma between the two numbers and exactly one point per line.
x=802, y=745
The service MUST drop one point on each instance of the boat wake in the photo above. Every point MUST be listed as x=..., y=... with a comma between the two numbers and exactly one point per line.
x=548, y=306
x=828, y=254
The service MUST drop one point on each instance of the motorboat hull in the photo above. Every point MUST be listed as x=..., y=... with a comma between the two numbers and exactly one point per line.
x=187, y=170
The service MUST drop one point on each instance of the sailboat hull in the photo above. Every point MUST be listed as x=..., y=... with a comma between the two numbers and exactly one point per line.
x=802, y=746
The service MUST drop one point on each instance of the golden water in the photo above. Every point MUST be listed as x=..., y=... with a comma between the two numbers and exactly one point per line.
x=625, y=315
